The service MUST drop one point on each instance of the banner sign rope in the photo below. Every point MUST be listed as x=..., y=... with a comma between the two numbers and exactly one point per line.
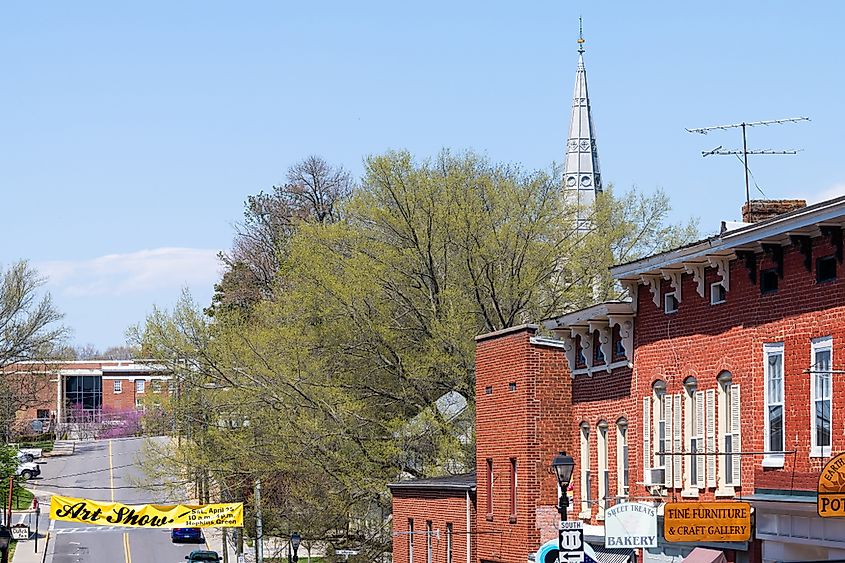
x=85, y=511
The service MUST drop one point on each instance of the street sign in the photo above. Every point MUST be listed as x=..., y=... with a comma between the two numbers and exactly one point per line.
x=707, y=521
x=571, y=541
x=20, y=532
x=831, y=497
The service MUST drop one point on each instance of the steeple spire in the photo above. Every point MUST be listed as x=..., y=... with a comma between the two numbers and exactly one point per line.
x=581, y=173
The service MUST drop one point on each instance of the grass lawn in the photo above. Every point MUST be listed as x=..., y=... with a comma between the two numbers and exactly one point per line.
x=12, y=549
x=21, y=500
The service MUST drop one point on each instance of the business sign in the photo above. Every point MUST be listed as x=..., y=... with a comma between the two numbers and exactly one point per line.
x=707, y=521
x=84, y=511
x=20, y=532
x=571, y=541
x=630, y=525
x=831, y=501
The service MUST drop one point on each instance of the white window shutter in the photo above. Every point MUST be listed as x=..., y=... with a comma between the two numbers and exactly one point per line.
x=698, y=433
x=678, y=440
x=736, y=440
x=668, y=464
x=646, y=434
x=710, y=395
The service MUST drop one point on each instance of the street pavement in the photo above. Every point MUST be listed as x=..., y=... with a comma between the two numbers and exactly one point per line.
x=106, y=470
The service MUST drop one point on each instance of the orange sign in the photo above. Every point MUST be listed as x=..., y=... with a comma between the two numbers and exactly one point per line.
x=831, y=502
x=707, y=521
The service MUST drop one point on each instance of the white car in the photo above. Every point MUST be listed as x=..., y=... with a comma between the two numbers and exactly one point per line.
x=27, y=470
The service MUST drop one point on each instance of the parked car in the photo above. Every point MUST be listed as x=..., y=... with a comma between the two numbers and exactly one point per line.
x=34, y=452
x=27, y=470
x=200, y=556
x=24, y=457
x=186, y=535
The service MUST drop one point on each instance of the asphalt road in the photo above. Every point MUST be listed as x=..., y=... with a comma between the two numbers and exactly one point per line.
x=106, y=470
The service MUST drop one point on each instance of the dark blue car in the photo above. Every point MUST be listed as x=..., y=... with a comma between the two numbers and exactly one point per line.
x=186, y=535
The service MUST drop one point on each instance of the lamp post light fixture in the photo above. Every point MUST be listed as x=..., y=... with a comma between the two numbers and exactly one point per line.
x=5, y=540
x=563, y=466
x=295, y=540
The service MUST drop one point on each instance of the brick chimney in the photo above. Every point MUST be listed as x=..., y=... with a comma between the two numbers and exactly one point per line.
x=761, y=209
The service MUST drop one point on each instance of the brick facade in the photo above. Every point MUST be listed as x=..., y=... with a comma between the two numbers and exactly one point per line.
x=699, y=358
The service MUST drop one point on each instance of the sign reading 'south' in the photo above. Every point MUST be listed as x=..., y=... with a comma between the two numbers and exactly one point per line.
x=831, y=502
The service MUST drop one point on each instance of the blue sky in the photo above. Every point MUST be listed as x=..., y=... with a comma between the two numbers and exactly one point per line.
x=131, y=133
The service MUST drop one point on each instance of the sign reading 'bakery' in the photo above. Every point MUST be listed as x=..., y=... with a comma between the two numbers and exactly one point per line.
x=831, y=501
x=707, y=521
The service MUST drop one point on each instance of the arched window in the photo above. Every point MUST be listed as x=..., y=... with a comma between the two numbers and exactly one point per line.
x=622, y=458
x=694, y=408
x=603, y=470
x=729, y=430
x=586, y=485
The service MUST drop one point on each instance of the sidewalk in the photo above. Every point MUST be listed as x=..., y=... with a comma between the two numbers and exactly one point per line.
x=25, y=550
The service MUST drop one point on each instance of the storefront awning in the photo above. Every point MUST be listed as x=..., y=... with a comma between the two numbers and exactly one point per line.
x=702, y=555
x=600, y=554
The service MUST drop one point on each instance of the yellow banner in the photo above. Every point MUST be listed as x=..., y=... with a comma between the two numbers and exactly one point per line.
x=84, y=511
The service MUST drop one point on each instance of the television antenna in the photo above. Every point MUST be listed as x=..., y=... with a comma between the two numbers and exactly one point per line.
x=745, y=152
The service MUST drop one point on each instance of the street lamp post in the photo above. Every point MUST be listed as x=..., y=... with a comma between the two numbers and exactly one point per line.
x=295, y=540
x=563, y=465
x=5, y=539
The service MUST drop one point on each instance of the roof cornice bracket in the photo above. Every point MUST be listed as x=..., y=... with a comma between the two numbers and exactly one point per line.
x=653, y=283
x=697, y=271
x=835, y=235
x=776, y=253
x=750, y=259
x=723, y=268
x=674, y=277
x=805, y=247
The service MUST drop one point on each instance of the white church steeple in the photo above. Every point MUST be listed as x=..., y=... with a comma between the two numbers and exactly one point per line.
x=581, y=173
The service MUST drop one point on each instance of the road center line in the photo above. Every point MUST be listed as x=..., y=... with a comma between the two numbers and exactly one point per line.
x=111, y=473
x=127, y=555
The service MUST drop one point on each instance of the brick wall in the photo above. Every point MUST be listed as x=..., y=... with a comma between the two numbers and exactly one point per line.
x=701, y=340
x=522, y=413
x=441, y=508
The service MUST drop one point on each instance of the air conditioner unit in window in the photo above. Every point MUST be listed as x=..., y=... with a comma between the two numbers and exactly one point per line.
x=655, y=476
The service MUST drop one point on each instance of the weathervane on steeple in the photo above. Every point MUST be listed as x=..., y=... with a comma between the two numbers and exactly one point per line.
x=580, y=35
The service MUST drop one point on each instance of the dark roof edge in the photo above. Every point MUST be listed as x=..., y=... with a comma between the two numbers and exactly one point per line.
x=411, y=485
x=505, y=331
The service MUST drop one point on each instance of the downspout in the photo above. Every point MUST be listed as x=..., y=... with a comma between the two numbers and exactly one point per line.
x=469, y=537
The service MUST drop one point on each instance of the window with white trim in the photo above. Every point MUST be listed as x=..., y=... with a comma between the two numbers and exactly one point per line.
x=670, y=302
x=429, y=533
x=717, y=293
x=448, y=542
x=118, y=386
x=585, y=469
x=729, y=432
x=603, y=471
x=410, y=540
x=773, y=414
x=694, y=407
x=139, y=385
x=821, y=352
x=621, y=459
x=659, y=390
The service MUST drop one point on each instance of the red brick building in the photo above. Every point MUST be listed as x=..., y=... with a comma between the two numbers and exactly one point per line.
x=434, y=520
x=88, y=388
x=716, y=380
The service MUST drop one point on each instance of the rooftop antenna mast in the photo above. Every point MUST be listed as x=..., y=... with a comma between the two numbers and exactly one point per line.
x=745, y=152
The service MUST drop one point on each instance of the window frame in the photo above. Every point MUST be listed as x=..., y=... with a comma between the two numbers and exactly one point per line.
x=674, y=296
x=117, y=386
x=586, y=500
x=602, y=465
x=449, y=546
x=722, y=290
x=623, y=451
x=773, y=458
x=513, y=485
x=490, y=488
x=819, y=260
x=821, y=344
x=410, y=540
x=140, y=386
x=429, y=544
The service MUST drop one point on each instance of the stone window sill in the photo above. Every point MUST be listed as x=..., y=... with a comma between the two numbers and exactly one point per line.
x=689, y=493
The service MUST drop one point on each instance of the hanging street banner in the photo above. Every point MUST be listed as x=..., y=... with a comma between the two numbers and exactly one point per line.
x=707, y=521
x=84, y=511
x=630, y=525
x=831, y=497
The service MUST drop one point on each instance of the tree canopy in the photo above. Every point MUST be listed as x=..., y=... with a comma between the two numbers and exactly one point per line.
x=352, y=362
